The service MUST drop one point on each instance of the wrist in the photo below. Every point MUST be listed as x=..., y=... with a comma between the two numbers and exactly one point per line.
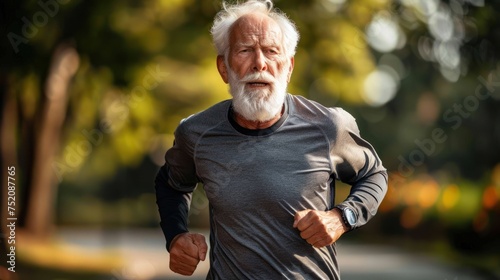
x=348, y=215
x=338, y=213
x=175, y=239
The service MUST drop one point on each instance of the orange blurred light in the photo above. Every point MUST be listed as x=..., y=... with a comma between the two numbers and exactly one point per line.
x=428, y=194
x=410, y=193
x=490, y=197
x=411, y=217
x=396, y=187
x=390, y=201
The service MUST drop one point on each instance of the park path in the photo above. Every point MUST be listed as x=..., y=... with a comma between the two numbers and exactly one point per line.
x=146, y=259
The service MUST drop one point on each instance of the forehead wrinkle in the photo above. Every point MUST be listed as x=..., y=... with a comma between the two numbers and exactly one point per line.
x=253, y=40
x=252, y=28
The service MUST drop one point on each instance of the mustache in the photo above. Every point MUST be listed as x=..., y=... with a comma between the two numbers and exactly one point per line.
x=260, y=76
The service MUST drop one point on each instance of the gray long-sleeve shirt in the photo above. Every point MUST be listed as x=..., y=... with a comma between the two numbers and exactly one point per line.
x=256, y=180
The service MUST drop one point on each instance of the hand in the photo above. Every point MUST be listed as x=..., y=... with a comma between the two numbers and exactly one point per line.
x=320, y=228
x=186, y=251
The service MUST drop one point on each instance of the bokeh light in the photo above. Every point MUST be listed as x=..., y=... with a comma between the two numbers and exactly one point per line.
x=383, y=34
x=428, y=194
x=379, y=87
x=441, y=25
x=411, y=217
x=450, y=197
x=490, y=197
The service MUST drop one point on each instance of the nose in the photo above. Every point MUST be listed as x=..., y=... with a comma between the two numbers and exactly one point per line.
x=259, y=61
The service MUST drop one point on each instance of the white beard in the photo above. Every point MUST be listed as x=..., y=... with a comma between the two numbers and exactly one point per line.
x=258, y=104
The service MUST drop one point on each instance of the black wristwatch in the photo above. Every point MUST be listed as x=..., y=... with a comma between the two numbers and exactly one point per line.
x=348, y=215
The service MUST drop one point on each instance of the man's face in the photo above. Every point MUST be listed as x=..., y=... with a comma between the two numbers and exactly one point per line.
x=259, y=70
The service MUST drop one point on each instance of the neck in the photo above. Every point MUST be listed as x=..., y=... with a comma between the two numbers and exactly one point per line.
x=248, y=124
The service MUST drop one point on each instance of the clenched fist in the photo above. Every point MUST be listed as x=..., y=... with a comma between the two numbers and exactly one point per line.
x=186, y=251
x=319, y=228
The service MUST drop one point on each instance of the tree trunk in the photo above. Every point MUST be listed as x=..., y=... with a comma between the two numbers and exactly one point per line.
x=43, y=189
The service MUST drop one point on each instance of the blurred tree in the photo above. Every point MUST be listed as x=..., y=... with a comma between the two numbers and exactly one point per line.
x=443, y=121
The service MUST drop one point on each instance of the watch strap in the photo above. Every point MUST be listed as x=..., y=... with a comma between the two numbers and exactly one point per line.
x=342, y=209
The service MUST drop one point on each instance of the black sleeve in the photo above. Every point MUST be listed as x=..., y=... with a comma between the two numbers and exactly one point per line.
x=174, y=184
x=173, y=206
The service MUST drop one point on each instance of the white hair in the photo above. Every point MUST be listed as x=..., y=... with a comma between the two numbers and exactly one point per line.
x=225, y=19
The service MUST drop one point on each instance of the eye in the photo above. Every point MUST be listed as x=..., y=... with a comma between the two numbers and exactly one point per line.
x=273, y=51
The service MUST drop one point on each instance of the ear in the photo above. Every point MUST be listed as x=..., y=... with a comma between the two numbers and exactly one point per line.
x=290, y=69
x=221, y=66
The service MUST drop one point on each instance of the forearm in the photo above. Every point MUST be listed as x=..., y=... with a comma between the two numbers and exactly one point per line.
x=173, y=206
x=366, y=196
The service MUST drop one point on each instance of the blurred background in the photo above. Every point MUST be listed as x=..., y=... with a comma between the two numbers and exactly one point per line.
x=91, y=92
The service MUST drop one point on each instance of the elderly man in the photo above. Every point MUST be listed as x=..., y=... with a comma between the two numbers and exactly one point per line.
x=268, y=161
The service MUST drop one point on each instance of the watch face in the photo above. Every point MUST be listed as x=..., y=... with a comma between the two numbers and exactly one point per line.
x=350, y=216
